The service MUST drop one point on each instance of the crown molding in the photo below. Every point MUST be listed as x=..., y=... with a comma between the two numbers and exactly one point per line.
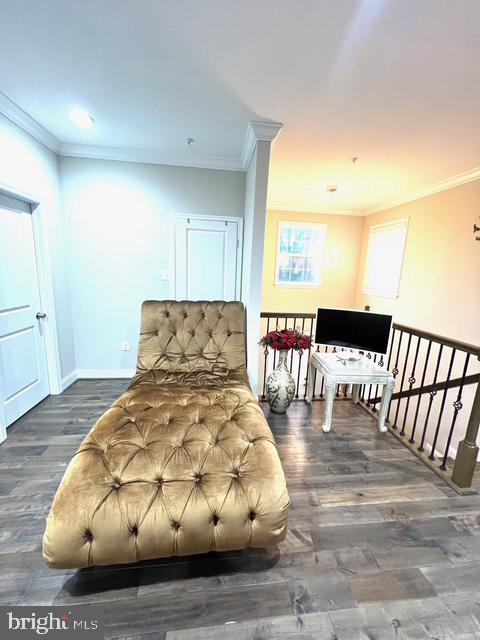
x=148, y=157
x=258, y=130
x=437, y=187
x=13, y=112
x=321, y=212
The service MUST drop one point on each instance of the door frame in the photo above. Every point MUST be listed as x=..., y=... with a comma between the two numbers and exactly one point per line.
x=217, y=218
x=45, y=284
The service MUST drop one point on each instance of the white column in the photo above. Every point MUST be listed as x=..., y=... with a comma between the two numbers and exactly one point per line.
x=256, y=159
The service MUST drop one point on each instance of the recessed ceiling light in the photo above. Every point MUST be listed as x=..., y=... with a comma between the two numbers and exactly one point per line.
x=81, y=118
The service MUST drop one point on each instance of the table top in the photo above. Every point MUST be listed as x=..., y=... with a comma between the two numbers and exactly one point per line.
x=335, y=365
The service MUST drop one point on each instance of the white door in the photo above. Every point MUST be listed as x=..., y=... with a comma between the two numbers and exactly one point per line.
x=23, y=362
x=206, y=259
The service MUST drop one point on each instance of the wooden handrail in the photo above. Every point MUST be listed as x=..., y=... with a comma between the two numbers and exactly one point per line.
x=438, y=386
x=281, y=314
x=448, y=342
x=467, y=451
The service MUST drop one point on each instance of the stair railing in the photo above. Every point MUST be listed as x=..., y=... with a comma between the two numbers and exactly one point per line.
x=437, y=384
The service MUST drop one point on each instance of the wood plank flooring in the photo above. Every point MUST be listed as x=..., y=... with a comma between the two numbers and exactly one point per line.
x=378, y=547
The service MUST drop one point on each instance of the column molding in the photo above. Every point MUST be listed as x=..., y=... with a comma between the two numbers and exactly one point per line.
x=256, y=155
x=258, y=130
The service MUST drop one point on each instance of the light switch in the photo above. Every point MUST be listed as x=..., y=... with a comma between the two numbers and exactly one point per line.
x=125, y=346
x=166, y=275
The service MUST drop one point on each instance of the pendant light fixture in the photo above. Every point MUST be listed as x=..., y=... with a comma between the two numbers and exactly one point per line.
x=332, y=257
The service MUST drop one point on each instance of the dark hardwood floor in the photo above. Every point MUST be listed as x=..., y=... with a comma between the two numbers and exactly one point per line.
x=378, y=547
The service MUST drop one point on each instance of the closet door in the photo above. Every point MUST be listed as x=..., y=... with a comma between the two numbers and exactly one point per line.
x=206, y=265
x=23, y=361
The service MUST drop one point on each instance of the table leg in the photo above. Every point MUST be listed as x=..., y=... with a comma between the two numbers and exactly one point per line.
x=385, y=403
x=355, y=393
x=329, y=397
x=310, y=379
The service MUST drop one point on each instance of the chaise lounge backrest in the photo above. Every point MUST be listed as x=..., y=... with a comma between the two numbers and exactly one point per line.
x=181, y=337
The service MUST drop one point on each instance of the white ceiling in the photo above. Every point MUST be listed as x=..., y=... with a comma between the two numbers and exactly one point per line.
x=394, y=82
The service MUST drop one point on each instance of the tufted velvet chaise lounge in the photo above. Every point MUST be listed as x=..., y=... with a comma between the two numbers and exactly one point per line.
x=183, y=462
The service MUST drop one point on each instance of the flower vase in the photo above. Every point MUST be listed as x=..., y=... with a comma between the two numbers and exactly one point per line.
x=280, y=387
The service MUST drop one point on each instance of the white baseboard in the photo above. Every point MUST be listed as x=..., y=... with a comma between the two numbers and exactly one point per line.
x=105, y=373
x=439, y=452
x=68, y=380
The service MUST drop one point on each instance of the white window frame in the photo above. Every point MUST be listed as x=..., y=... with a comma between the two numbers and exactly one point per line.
x=299, y=285
x=394, y=291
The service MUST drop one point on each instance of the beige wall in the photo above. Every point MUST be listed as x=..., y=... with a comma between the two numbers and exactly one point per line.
x=439, y=287
x=338, y=287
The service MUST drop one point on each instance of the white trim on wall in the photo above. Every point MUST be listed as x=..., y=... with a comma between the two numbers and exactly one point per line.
x=47, y=299
x=224, y=163
x=45, y=277
x=104, y=373
x=402, y=223
x=437, y=187
x=18, y=116
x=258, y=130
x=324, y=212
x=198, y=216
x=68, y=380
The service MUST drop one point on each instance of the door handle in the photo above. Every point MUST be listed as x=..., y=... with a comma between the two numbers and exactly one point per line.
x=40, y=316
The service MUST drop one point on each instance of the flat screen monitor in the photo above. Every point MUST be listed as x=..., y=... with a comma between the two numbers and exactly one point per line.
x=361, y=330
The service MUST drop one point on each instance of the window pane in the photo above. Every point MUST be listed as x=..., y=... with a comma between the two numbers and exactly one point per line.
x=299, y=234
x=300, y=253
x=297, y=276
x=298, y=246
x=384, y=260
x=297, y=264
x=308, y=277
x=285, y=240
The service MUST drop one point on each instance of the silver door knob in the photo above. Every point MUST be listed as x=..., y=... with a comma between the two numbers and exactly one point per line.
x=40, y=316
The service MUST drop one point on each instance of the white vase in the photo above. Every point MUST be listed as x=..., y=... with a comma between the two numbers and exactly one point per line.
x=280, y=386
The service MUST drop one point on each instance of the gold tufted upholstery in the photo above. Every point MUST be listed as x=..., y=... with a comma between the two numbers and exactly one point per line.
x=183, y=462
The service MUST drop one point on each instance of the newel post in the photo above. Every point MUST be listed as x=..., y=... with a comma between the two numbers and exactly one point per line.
x=467, y=452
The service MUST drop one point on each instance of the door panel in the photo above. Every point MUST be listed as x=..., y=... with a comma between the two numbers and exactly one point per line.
x=205, y=254
x=17, y=349
x=23, y=362
x=205, y=259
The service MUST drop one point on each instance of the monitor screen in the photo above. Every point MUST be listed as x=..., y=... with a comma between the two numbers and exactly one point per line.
x=362, y=330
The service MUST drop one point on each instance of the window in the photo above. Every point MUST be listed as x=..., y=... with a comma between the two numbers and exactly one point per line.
x=386, y=245
x=300, y=254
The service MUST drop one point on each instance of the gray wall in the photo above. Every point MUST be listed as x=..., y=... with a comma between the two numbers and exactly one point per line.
x=28, y=166
x=118, y=217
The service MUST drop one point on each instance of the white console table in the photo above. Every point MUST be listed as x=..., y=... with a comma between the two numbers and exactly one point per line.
x=337, y=371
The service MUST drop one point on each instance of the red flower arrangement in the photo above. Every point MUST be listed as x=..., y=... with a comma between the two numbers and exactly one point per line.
x=286, y=339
